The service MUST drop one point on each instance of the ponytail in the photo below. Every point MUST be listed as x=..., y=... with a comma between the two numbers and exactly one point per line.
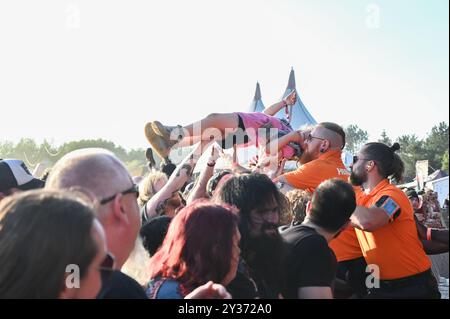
x=389, y=164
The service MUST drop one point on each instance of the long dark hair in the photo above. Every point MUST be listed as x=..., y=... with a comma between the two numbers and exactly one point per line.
x=248, y=192
x=41, y=233
x=389, y=164
x=262, y=253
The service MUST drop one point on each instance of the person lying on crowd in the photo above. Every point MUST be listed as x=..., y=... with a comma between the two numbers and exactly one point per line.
x=229, y=128
x=201, y=245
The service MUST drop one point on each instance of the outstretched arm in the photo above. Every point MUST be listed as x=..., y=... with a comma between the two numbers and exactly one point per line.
x=178, y=178
x=276, y=145
x=199, y=190
x=288, y=100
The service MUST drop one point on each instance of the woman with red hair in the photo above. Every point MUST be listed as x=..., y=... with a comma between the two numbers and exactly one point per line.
x=201, y=245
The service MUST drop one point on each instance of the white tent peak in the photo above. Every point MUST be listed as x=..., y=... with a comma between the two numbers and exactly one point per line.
x=299, y=114
x=257, y=105
x=291, y=83
x=257, y=92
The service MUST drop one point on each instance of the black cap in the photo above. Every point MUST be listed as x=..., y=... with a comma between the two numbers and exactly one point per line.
x=411, y=193
x=15, y=174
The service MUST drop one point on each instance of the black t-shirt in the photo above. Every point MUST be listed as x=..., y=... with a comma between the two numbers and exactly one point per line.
x=121, y=286
x=309, y=262
x=243, y=286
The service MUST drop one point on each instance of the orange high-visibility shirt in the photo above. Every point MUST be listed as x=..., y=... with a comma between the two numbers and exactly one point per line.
x=310, y=175
x=395, y=248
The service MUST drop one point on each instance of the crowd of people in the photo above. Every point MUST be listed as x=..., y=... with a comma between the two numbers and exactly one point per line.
x=257, y=231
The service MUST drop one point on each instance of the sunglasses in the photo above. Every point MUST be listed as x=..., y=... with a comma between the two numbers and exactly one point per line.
x=133, y=189
x=309, y=138
x=356, y=158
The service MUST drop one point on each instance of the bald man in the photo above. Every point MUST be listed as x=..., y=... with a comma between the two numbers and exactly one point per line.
x=101, y=174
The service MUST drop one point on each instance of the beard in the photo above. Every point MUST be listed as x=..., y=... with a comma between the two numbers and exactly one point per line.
x=306, y=157
x=357, y=180
x=264, y=255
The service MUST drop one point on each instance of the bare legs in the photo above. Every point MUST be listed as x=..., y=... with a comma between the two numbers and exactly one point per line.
x=214, y=120
x=210, y=127
x=213, y=127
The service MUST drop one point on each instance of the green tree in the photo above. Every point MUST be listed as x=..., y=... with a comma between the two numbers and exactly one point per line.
x=436, y=144
x=385, y=138
x=6, y=149
x=355, y=138
x=445, y=162
x=28, y=151
x=32, y=153
x=411, y=151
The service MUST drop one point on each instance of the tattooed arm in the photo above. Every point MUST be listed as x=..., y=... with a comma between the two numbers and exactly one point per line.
x=178, y=178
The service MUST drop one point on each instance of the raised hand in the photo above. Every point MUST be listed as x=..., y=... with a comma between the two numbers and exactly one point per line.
x=291, y=98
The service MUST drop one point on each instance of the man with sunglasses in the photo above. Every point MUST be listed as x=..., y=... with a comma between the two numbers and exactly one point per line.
x=101, y=174
x=385, y=227
x=321, y=160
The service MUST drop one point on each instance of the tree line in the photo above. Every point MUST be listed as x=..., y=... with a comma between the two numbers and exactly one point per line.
x=434, y=148
x=45, y=153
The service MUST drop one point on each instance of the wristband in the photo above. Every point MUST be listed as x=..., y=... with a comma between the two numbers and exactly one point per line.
x=212, y=164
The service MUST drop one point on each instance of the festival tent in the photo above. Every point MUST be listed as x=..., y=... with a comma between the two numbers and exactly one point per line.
x=298, y=113
x=257, y=105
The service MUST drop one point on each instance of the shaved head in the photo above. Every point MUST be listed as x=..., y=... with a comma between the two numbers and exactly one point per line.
x=333, y=133
x=96, y=170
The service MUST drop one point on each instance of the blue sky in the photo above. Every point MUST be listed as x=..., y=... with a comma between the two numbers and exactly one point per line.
x=89, y=68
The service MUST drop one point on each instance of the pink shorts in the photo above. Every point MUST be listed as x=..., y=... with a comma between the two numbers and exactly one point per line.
x=257, y=120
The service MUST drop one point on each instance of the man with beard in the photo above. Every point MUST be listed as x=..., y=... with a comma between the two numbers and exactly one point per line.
x=310, y=265
x=321, y=160
x=385, y=227
x=260, y=205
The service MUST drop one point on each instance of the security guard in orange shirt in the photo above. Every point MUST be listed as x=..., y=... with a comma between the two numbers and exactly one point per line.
x=385, y=227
